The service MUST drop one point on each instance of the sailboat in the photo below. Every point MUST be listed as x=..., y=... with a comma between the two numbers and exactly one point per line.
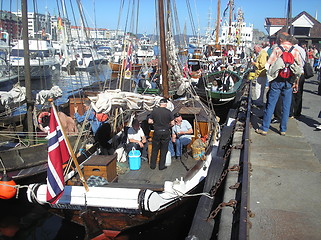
x=126, y=199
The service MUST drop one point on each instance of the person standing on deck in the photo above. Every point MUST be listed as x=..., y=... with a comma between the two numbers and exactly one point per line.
x=279, y=85
x=260, y=74
x=163, y=120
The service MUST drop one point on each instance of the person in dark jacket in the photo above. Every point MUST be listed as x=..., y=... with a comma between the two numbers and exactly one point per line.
x=163, y=120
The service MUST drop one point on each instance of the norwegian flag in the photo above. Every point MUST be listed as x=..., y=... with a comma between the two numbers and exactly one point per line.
x=58, y=154
x=128, y=60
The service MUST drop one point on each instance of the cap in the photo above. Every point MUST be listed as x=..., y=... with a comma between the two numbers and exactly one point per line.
x=177, y=115
x=163, y=100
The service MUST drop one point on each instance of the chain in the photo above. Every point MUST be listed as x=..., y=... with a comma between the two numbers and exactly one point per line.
x=235, y=186
x=232, y=203
x=238, y=146
x=223, y=175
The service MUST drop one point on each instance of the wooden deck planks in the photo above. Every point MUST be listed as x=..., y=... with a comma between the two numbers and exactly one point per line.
x=145, y=175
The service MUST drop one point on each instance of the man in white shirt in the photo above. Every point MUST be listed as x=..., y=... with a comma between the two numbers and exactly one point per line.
x=136, y=139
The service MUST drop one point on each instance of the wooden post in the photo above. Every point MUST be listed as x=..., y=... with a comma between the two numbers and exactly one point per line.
x=30, y=102
x=163, y=48
x=73, y=156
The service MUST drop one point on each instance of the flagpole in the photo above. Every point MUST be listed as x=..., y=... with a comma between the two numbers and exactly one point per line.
x=73, y=156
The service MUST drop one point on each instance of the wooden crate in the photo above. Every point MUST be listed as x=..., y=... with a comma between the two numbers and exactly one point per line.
x=101, y=165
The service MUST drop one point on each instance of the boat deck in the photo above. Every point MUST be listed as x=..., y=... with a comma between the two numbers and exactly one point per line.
x=155, y=178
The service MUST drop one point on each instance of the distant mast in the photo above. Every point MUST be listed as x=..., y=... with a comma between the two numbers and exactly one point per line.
x=231, y=3
x=218, y=23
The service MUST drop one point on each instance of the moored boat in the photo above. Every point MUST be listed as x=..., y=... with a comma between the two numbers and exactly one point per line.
x=42, y=58
x=130, y=198
x=117, y=67
x=220, y=86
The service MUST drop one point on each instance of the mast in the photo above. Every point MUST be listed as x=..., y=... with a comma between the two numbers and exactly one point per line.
x=231, y=2
x=289, y=18
x=30, y=103
x=163, y=48
x=218, y=22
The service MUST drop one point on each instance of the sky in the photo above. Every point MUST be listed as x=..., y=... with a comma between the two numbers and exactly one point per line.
x=106, y=13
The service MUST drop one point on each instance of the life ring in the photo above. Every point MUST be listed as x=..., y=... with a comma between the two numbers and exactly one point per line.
x=41, y=115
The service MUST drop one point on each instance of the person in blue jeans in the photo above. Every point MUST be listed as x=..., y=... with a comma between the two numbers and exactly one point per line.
x=279, y=85
x=181, y=136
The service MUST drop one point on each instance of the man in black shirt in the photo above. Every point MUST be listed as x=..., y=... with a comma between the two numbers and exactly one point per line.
x=163, y=120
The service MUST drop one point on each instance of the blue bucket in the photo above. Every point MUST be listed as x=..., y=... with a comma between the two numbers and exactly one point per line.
x=134, y=159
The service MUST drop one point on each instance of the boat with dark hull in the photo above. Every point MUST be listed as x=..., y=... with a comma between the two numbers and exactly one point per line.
x=220, y=86
x=133, y=197
x=20, y=163
x=119, y=197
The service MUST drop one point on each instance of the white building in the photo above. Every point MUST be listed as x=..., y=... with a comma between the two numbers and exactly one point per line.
x=37, y=22
x=60, y=27
x=78, y=33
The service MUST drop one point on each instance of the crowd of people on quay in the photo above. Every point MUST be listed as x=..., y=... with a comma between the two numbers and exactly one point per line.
x=280, y=72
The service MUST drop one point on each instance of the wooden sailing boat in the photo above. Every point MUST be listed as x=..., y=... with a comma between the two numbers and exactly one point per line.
x=129, y=199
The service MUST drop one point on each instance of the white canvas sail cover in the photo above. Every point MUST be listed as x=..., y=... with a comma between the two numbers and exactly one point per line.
x=18, y=94
x=104, y=101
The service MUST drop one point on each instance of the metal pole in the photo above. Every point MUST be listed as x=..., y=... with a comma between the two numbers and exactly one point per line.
x=30, y=102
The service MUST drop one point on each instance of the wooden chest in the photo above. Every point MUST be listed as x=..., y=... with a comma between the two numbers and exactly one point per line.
x=101, y=165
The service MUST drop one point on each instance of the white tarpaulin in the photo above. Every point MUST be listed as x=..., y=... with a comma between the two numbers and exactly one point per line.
x=18, y=94
x=104, y=101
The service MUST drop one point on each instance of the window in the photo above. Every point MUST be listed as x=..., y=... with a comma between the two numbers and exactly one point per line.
x=305, y=31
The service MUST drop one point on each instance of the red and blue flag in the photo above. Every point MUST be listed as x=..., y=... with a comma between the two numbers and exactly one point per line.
x=58, y=154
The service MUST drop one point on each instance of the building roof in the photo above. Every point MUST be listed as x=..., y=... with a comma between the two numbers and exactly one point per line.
x=315, y=30
x=275, y=21
x=89, y=28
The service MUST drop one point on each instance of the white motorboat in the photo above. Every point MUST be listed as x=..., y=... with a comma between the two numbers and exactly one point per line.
x=42, y=58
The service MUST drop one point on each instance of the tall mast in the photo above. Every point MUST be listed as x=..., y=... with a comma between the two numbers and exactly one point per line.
x=230, y=18
x=30, y=103
x=289, y=18
x=163, y=48
x=218, y=21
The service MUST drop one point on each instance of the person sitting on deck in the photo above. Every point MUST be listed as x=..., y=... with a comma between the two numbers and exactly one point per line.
x=181, y=136
x=215, y=86
x=143, y=82
x=136, y=139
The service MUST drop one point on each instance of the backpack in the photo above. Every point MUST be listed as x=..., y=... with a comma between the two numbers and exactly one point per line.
x=288, y=59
